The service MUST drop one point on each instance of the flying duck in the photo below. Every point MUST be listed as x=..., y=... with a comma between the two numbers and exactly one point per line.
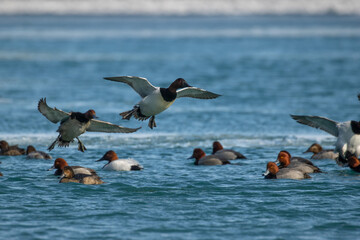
x=73, y=124
x=347, y=133
x=155, y=99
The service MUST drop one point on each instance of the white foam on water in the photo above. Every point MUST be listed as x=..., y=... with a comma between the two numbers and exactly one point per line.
x=180, y=8
x=269, y=32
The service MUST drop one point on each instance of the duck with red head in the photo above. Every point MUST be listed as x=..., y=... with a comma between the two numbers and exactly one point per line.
x=60, y=164
x=155, y=99
x=354, y=163
x=320, y=153
x=116, y=164
x=73, y=124
x=7, y=150
x=33, y=154
x=302, y=164
x=225, y=154
x=209, y=160
x=273, y=172
x=69, y=176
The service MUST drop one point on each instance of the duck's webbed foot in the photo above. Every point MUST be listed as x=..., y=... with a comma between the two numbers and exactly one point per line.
x=127, y=115
x=81, y=146
x=51, y=147
x=152, y=122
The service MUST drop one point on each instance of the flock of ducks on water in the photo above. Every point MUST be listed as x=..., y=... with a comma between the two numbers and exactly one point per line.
x=155, y=100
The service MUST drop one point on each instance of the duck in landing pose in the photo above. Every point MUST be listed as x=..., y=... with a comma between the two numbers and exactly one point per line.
x=155, y=99
x=73, y=124
x=347, y=133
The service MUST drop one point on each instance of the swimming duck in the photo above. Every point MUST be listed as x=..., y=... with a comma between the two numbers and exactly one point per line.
x=347, y=133
x=116, y=164
x=70, y=176
x=202, y=159
x=32, y=153
x=73, y=124
x=320, y=153
x=273, y=172
x=7, y=150
x=155, y=99
x=60, y=164
x=301, y=164
x=225, y=154
x=354, y=163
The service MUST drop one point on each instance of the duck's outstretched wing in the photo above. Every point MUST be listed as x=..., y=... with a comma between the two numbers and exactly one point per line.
x=141, y=85
x=324, y=124
x=101, y=126
x=194, y=92
x=52, y=114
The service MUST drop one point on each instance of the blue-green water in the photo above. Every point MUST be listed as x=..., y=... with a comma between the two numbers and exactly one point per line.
x=265, y=68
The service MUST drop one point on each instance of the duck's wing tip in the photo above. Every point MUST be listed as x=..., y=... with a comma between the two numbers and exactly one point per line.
x=102, y=126
x=141, y=85
x=322, y=123
x=52, y=114
x=195, y=92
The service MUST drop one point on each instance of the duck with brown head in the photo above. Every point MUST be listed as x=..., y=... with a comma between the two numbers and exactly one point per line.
x=273, y=172
x=354, y=163
x=202, y=159
x=70, y=176
x=302, y=164
x=33, y=154
x=320, y=153
x=60, y=164
x=7, y=150
x=116, y=164
x=73, y=124
x=155, y=99
x=225, y=154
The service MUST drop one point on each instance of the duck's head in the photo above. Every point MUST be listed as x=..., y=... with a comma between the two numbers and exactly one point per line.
x=90, y=114
x=197, y=154
x=271, y=168
x=109, y=156
x=353, y=161
x=178, y=83
x=67, y=173
x=216, y=147
x=283, y=158
x=59, y=163
x=315, y=148
x=30, y=149
x=4, y=145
